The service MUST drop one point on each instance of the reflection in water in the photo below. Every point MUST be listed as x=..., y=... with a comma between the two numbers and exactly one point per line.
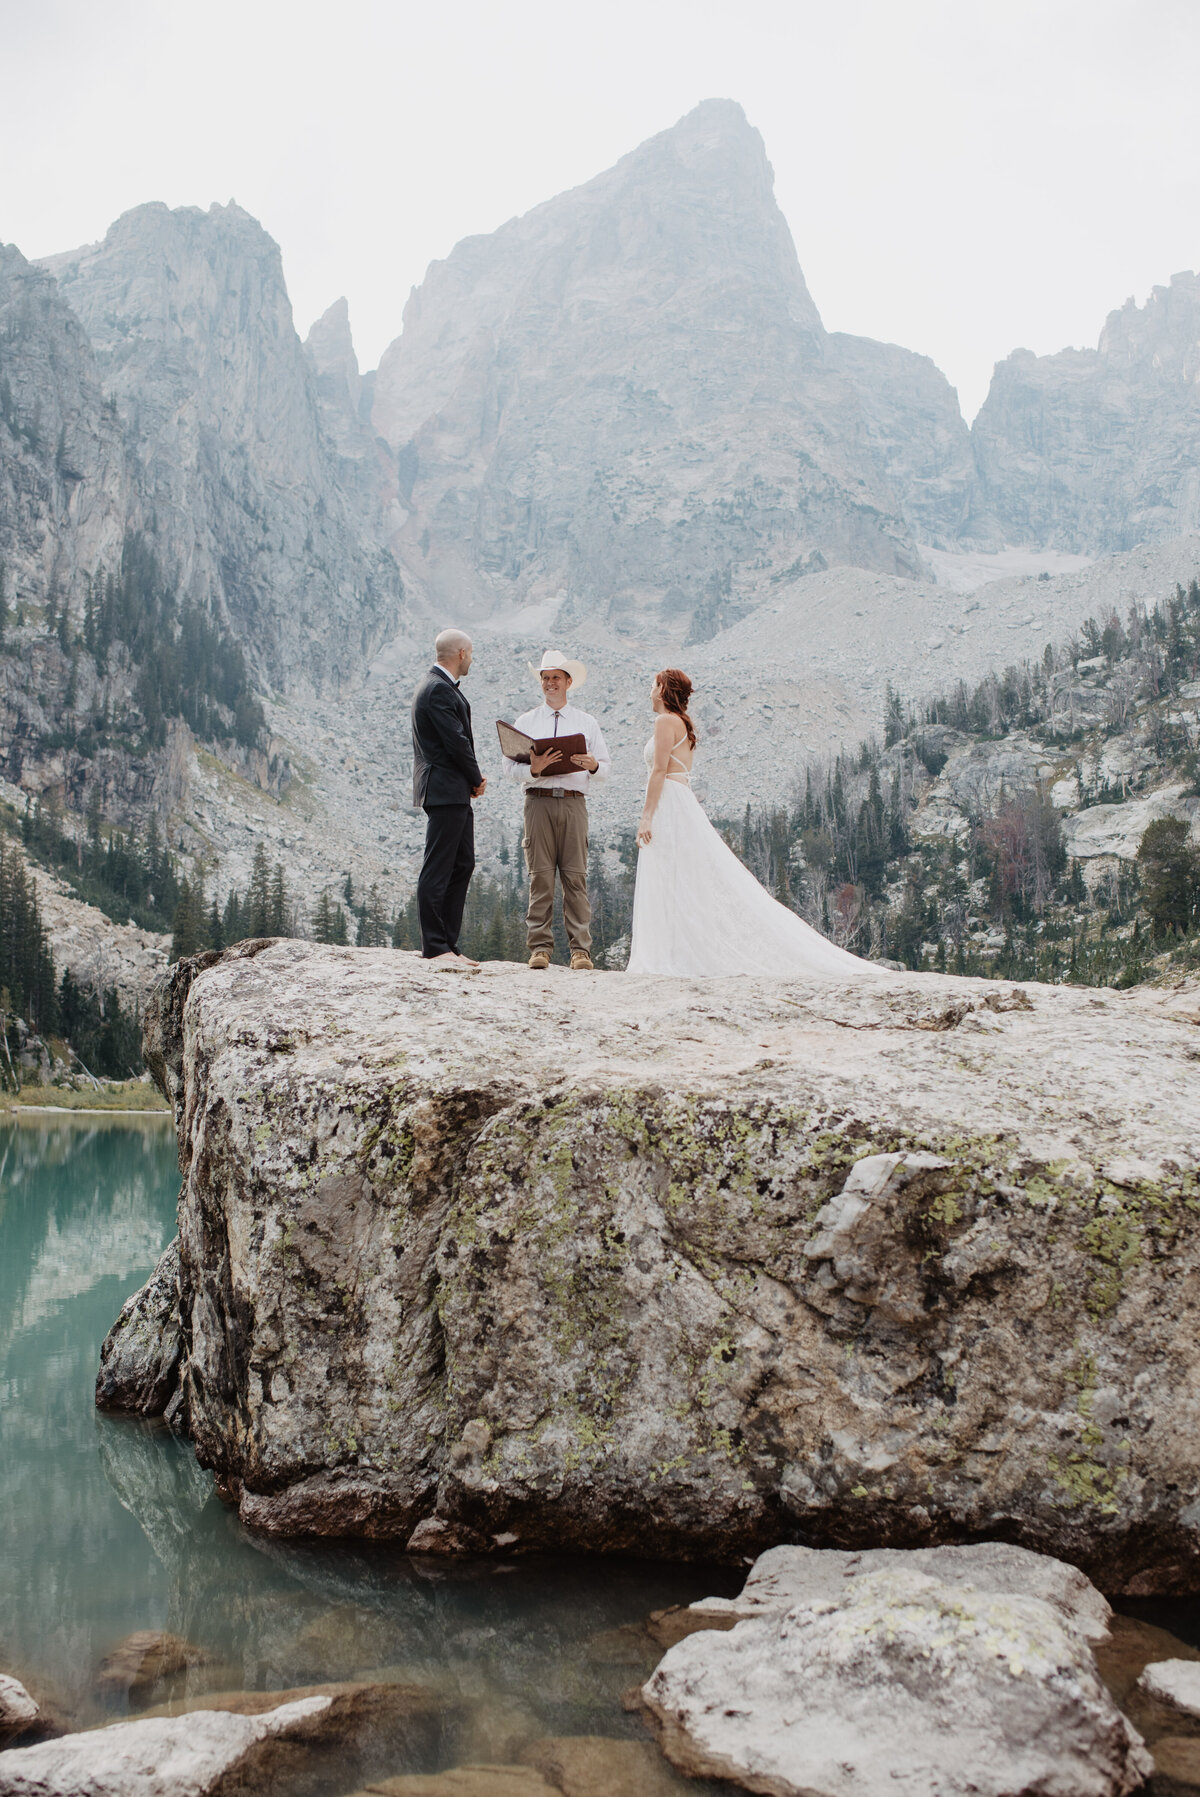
x=85, y=1210
x=108, y=1526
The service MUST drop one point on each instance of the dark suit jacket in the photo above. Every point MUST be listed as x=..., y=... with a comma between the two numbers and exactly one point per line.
x=445, y=771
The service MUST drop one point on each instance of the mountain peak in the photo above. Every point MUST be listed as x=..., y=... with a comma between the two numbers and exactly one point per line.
x=627, y=396
x=712, y=159
x=329, y=346
x=330, y=342
x=713, y=121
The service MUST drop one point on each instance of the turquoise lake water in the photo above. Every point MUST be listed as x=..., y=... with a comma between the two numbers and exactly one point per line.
x=108, y=1527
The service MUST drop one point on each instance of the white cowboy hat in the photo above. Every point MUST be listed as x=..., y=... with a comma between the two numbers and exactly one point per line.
x=552, y=659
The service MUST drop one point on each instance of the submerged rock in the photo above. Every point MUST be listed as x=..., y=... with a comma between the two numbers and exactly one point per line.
x=1177, y=1765
x=364, y=1728
x=598, y=1766
x=463, y=1781
x=185, y=1756
x=903, y=1681
x=685, y=1267
x=142, y=1660
x=1132, y=1646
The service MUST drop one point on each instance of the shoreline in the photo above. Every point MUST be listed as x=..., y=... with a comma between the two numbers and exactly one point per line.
x=82, y=1110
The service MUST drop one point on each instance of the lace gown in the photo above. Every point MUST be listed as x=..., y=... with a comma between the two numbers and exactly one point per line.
x=698, y=910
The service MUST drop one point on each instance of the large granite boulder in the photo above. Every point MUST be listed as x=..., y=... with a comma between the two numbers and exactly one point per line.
x=897, y=1678
x=685, y=1267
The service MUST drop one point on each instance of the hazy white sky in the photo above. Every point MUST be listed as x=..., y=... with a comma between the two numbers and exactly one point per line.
x=960, y=176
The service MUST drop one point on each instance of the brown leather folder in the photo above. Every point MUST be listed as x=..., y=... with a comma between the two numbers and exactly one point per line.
x=517, y=746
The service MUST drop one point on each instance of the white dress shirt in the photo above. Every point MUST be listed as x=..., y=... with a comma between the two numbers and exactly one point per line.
x=543, y=720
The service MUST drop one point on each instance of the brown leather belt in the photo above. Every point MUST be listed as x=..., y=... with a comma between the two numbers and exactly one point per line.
x=552, y=792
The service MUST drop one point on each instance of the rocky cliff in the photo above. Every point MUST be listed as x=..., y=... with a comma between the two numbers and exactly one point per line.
x=679, y=1267
x=65, y=490
x=1096, y=450
x=919, y=440
x=237, y=482
x=627, y=396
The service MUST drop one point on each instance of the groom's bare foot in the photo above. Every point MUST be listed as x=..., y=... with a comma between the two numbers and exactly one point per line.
x=450, y=959
x=466, y=961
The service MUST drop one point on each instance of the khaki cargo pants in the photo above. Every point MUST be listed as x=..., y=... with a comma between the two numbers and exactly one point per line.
x=556, y=842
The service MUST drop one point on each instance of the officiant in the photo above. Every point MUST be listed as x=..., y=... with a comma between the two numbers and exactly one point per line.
x=556, y=821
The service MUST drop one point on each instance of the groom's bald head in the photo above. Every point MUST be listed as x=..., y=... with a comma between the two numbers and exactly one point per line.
x=453, y=651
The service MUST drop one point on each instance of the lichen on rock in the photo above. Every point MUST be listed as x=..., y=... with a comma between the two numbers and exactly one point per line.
x=684, y=1267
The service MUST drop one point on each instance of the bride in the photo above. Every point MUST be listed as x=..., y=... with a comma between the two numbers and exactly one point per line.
x=696, y=908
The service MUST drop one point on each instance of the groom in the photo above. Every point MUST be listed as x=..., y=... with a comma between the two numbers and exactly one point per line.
x=446, y=778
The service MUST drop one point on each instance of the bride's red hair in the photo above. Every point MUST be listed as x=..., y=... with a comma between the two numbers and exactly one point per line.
x=675, y=689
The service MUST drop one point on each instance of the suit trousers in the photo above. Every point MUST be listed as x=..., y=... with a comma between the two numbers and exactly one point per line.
x=445, y=875
x=556, y=842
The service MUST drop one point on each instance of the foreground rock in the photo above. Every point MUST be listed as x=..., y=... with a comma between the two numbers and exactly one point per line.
x=683, y=1267
x=19, y=1714
x=200, y=1755
x=1175, y=1683
x=899, y=1681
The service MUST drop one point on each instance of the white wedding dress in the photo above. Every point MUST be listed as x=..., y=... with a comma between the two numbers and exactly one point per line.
x=698, y=910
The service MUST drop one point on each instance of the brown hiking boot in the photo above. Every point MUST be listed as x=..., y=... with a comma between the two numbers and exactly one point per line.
x=539, y=959
x=581, y=962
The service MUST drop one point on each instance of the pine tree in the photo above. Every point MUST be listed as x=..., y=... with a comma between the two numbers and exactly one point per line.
x=494, y=943
x=406, y=926
x=188, y=924
x=893, y=717
x=323, y=919
x=257, y=910
x=277, y=920
x=1170, y=869
x=372, y=922
x=26, y=963
x=231, y=919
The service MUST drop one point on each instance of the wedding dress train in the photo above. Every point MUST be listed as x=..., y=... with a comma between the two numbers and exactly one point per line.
x=698, y=910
